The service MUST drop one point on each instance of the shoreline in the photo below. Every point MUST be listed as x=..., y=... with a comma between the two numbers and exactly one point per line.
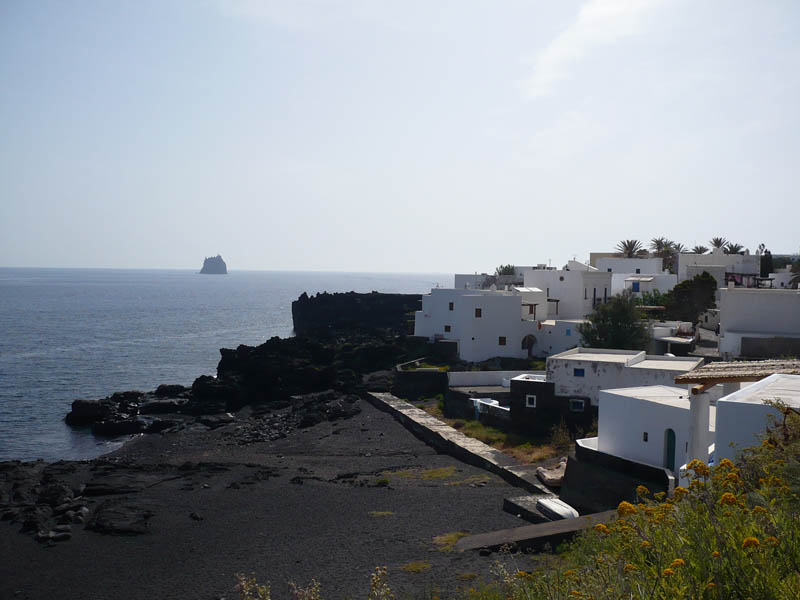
x=331, y=501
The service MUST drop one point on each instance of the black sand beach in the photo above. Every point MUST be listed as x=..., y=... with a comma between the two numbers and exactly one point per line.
x=329, y=502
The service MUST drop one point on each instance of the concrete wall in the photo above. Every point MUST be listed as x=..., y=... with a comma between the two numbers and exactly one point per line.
x=781, y=279
x=550, y=409
x=756, y=313
x=624, y=419
x=471, y=281
x=479, y=337
x=481, y=378
x=554, y=337
x=739, y=424
x=645, y=266
x=663, y=283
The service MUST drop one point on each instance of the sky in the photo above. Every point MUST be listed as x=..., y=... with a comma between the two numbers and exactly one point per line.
x=408, y=135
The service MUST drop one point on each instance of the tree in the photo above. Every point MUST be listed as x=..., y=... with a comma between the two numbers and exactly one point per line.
x=505, y=270
x=616, y=324
x=699, y=249
x=687, y=300
x=718, y=242
x=766, y=261
x=731, y=248
x=629, y=248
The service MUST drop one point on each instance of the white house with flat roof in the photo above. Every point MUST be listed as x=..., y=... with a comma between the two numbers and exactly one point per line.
x=759, y=322
x=647, y=424
x=744, y=414
x=583, y=372
x=571, y=293
x=734, y=265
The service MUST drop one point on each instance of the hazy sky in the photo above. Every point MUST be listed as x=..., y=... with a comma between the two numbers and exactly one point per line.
x=392, y=136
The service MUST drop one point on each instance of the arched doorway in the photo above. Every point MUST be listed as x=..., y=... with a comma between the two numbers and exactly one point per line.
x=669, y=449
x=528, y=342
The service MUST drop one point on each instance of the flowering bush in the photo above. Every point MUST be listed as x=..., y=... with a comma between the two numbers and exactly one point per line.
x=733, y=532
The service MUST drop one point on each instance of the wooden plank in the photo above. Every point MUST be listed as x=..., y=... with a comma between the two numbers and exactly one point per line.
x=532, y=534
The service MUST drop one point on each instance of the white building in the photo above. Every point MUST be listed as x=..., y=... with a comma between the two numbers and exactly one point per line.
x=583, y=372
x=647, y=424
x=759, y=322
x=571, y=293
x=734, y=265
x=619, y=264
x=781, y=279
x=743, y=415
x=486, y=323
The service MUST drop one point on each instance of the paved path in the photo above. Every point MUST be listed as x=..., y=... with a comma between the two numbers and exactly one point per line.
x=451, y=441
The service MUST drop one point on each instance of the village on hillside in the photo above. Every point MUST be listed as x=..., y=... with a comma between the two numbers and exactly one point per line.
x=648, y=358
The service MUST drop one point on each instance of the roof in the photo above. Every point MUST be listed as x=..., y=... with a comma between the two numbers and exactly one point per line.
x=640, y=278
x=785, y=388
x=753, y=370
x=684, y=363
x=527, y=289
x=673, y=339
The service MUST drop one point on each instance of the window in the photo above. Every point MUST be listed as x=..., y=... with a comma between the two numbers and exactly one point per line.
x=585, y=293
x=548, y=292
x=530, y=400
x=638, y=271
x=576, y=405
x=501, y=341
x=478, y=313
x=577, y=372
x=530, y=309
x=605, y=294
x=609, y=270
x=450, y=306
x=569, y=332
x=447, y=328
x=644, y=436
x=635, y=286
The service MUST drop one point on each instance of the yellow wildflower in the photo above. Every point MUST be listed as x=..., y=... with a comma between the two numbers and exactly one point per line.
x=760, y=510
x=728, y=498
x=678, y=562
x=659, y=496
x=750, y=542
x=626, y=509
x=679, y=493
x=642, y=491
x=646, y=544
x=715, y=554
x=601, y=527
x=726, y=463
x=569, y=573
x=771, y=541
x=710, y=585
x=629, y=567
x=668, y=572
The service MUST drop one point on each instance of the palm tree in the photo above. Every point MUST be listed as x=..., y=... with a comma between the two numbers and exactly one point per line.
x=718, y=242
x=699, y=249
x=659, y=244
x=731, y=248
x=629, y=248
x=678, y=248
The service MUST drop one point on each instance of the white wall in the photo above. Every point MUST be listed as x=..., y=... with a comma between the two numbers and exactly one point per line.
x=623, y=419
x=574, y=290
x=556, y=336
x=782, y=279
x=472, y=281
x=646, y=266
x=481, y=378
x=663, y=283
x=733, y=263
x=747, y=312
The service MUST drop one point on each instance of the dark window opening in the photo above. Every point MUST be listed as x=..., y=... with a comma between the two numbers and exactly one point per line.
x=450, y=306
x=578, y=372
x=447, y=328
x=478, y=313
x=501, y=340
x=644, y=436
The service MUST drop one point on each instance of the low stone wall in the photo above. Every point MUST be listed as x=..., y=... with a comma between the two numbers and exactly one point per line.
x=595, y=481
x=424, y=383
x=770, y=347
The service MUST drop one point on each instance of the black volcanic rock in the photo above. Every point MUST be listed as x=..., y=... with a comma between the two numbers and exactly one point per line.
x=352, y=312
x=214, y=266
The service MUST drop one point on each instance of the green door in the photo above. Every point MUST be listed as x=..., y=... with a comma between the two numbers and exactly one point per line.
x=669, y=449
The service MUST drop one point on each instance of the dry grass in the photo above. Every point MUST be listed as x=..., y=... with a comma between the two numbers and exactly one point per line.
x=447, y=541
x=417, y=566
x=381, y=513
x=467, y=576
x=525, y=448
x=424, y=474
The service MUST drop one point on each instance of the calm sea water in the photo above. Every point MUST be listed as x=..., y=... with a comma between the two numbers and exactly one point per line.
x=85, y=333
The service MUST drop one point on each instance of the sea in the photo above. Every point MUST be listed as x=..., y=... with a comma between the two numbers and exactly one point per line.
x=86, y=333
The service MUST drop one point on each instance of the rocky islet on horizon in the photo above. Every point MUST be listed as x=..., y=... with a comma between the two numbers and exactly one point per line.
x=214, y=265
